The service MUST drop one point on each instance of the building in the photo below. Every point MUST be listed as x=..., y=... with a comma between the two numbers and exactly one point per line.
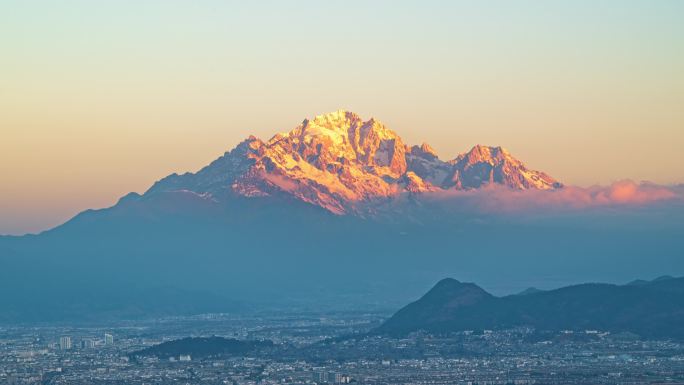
x=319, y=377
x=184, y=357
x=108, y=339
x=65, y=343
x=87, y=344
x=338, y=378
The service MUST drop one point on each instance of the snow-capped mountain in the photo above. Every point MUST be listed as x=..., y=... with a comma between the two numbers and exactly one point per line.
x=262, y=225
x=338, y=160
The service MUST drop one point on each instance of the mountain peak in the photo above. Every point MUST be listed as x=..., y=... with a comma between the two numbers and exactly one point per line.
x=424, y=150
x=489, y=154
x=487, y=165
x=342, y=124
x=454, y=289
x=342, y=138
x=339, y=116
x=447, y=297
x=336, y=123
x=446, y=283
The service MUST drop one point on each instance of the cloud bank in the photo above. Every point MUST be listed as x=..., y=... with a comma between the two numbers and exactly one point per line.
x=619, y=194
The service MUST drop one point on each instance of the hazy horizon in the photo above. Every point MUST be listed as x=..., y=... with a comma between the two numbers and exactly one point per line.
x=40, y=221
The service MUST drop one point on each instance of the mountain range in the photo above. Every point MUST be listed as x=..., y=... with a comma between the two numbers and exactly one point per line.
x=336, y=211
x=342, y=163
x=651, y=309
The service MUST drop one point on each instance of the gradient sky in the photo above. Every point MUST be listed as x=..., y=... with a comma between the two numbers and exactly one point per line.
x=100, y=98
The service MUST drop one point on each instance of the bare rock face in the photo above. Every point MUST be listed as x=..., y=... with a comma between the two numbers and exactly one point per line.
x=337, y=160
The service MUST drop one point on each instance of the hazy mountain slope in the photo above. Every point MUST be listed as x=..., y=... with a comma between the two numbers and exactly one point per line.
x=282, y=250
x=338, y=211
